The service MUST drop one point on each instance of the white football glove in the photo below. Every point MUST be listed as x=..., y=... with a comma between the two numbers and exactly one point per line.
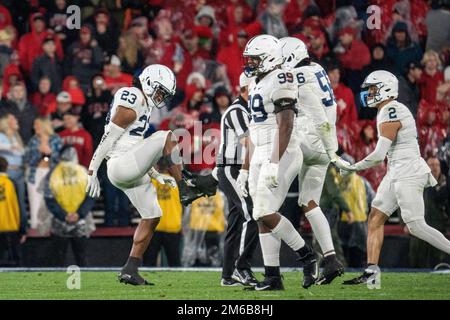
x=241, y=182
x=345, y=168
x=162, y=178
x=93, y=186
x=270, y=174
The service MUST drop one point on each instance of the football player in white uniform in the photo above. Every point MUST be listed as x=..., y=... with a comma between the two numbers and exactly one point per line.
x=318, y=142
x=407, y=176
x=131, y=154
x=276, y=158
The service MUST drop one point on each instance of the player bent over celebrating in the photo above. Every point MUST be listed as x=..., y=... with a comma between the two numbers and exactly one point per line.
x=276, y=158
x=131, y=154
x=407, y=176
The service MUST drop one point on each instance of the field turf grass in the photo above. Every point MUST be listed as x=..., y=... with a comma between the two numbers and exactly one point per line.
x=205, y=286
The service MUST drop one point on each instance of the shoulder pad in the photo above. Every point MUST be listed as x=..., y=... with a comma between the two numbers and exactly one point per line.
x=129, y=97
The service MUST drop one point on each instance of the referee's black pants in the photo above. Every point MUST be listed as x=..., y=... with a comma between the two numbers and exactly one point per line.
x=241, y=237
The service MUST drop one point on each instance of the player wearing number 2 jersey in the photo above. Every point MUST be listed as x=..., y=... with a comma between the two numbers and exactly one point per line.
x=276, y=158
x=131, y=154
x=407, y=176
x=318, y=142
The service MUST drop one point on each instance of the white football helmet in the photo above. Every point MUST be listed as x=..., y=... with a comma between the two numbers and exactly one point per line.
x=386, y=85
x=261, y=54
x=158, y=84
x=293, y=51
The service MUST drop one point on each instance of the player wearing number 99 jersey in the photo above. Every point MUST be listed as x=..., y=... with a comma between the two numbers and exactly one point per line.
x=131, y=154
x=276, y=158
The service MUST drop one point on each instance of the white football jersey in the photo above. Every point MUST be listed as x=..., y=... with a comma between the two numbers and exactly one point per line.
x=404, y=158
x=316, y=101
x=263, y=124
x=133, y=98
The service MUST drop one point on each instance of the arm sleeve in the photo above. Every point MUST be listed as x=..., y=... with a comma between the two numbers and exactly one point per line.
x=377, y=156
x=55, y=209
x=86, y=207
x=109, y=138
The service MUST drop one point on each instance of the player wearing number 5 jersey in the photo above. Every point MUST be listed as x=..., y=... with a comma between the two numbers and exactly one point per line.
x=131, y=154
x=407, y=175
x=318, y=142
x=276, y=158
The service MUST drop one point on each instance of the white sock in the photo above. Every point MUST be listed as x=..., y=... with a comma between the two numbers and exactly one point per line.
x=270, y=247
x=321, y=230
x=286, y=232
x=422, y=230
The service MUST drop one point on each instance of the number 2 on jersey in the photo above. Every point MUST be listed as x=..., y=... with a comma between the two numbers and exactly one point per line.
x=325, y=85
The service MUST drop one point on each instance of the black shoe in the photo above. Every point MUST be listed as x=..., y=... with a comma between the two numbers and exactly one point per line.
x=230, y=283
x=332, y=268
x=245, y=276
x=310, y=269
x=270, y=283
x=188, y=193
x=133, y=279
x=362, y=279
x=207, y=184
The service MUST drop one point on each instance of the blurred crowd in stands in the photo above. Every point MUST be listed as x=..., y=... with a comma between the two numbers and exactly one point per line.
x=57, y=84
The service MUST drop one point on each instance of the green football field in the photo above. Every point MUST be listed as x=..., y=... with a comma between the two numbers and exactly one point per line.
x=205, y=286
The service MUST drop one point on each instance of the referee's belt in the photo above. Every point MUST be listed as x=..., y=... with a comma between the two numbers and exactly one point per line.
x=228, y=165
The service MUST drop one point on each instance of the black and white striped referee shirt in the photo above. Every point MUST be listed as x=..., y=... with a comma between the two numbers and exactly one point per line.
x=233, y=127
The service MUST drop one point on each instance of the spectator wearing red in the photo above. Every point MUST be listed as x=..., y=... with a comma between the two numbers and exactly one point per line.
x=114, y=77
x=432, y=77
x=48, y=65
x=318, y=47
x=364, y=144
x=231, y=57
x=238, y=19
x=30, y=44
x=294, y=13
x=5, y=17
x=77, y=137
x=182, y=56
x=43, y=99
x=11, y=75
x=164, y=37
x=351, y=52
x=429, y=131
x=346, y=112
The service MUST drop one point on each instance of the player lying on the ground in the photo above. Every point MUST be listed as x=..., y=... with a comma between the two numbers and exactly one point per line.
x=407, y=176
x=276, y=157
x=131, y=154
x=318, y=142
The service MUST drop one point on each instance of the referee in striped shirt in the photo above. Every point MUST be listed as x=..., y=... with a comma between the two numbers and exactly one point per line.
x=241, y=237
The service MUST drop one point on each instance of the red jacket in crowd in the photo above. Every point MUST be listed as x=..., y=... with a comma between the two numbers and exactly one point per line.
x=428, y=86
x=356, y=57
x=45, y=103
x=81, y=140
x=30, y=46
x=5, y=17
x=231, y=57
x=346, y=108
x=114, y=84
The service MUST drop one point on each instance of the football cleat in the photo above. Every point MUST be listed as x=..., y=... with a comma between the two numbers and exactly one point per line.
x=362, y=279
x=230, y=283
x=332, y=268
x=270, y=283
x=245, y=276
x=133, y=279
x=310, y=269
